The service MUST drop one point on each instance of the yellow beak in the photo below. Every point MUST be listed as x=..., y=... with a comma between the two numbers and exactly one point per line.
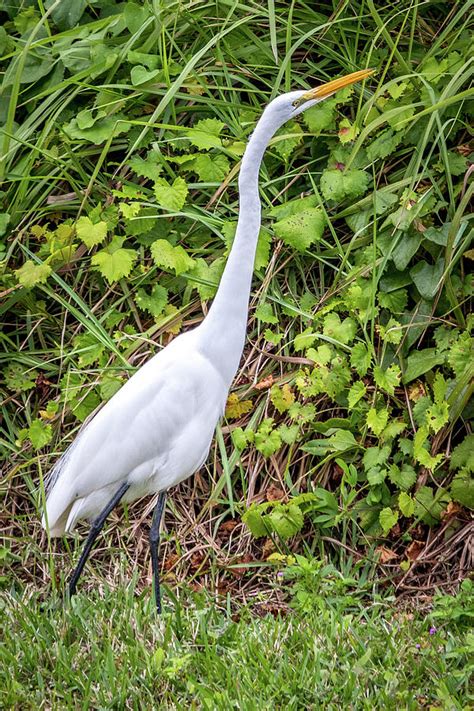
x=325, y=90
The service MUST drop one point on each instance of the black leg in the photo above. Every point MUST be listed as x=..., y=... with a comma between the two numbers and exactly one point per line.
x=96, y=528
x=155, y=546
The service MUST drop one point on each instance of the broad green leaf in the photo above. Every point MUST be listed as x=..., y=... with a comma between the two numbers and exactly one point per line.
x=321, y=116
x=207, y=276
x=376, y=456
x=114, y=261
x=377, y=420
x=406, y=504
x=301, y=229
x=407, y=246
x=421, y=452
x=146, y=167
x=293, y=207
x=360, y=358
x=394, y=301
x=437, y=415
x=88, y=349
x=4, y=221
x=140, y=75
x=148, y=60
x=387, y=519
x=91, y=233
x=282, y=398
x=463, y=454
x=239, y=438
x=265, y=313
x=254, y=520
x=171, y=258
x=19, y=378
x=293, y=136
x=419, y=362
x=289, y=433
x=31, y=274
x=267, y=439
x=206, y=134
x=341, y=331
x=429, y=506
x=286, y=521
x=101, y=131
x=461, y=353
x=154, y=302
x=462, y=488
x=109, y=385
x=427, y=277
x=210, y=167
x=172, y=197
x=83, y=406
x=403, y=478
x=387, y=379
x=356, y=392
x=347, y=131
x=39, y=434
x=338, y=185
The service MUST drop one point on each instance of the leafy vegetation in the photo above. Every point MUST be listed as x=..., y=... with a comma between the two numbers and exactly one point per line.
x=348, y=432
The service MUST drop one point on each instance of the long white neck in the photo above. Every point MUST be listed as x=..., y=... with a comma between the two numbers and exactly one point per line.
x=224, y=328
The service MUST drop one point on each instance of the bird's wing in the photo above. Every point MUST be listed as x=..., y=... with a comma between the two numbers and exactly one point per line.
x=165, y=411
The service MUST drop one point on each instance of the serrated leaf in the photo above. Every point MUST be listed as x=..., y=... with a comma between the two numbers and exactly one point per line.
x=207, y=277
x=235, y=408
x=461, y=353
x=91, y=233
x=347, y=131
x=264, y=313
x=146, y=167
x=384, y=145
x=387, y=519
x=360, y=358
x=302, y=229
x=406, y=504
x=394, y=301
x=388, y=379
x=239, y=438
x=206, y=134
x=429, y=506
x=211, y=168
x=31, y=274
x=282, y=398
x=321, y=116
x=341, y=331
x=289, y=433
x=172, y=197
x=255, y=522
x=463, y=454
x=462, y=488
x=19, y=378
x=286, y=521
x=39, y=434
x=88, y=348
x=338, y=185
x=437, y=415
x=154, y=302
x=403, y=478
x=356, y=392
x=171, y=258
x=114, y=262
x=377, y=420
x=267, y=440
x=421, y=453
x=109, y=385
x=293, y=136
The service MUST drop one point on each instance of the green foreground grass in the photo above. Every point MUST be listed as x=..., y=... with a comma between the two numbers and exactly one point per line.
x=110, y=651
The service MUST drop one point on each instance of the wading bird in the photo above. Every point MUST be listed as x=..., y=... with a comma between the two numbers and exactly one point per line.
x=157, y=429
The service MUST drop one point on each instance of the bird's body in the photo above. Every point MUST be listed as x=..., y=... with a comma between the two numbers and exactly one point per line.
x=157, y=429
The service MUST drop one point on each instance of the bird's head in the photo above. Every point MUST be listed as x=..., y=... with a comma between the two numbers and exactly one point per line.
x=289, y=105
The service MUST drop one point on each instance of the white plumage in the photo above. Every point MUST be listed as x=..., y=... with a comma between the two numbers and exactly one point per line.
x=157, y=429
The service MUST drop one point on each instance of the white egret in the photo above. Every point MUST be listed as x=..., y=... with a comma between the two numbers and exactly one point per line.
x=157, y=429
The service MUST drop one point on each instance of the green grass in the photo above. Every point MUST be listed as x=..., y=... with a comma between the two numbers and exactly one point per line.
x=109, y=650
x=353, y=442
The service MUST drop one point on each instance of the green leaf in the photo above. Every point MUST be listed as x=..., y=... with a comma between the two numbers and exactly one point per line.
x=19, y=378
x=4, y=221
x=140, y=75
x=31, y=274
x=388, y=379
x=340, y=331
x=267, y=440
x=286, y=521
x=239, y=438
x=395, y=301
x=264, y=313
x=171, y=258
x=282, y=398
x=437, y=416
x=462, y=488
x=91, y=233
x=149, y=60
x=293, y=136
x=461, y=353
x=172, y=197
x=289, y=433
x=337, y=185
x=429, y=506
x=377, y=420
x=347, y=131
x=375, y=456
x=360, y=358
x=101, y=131
x=356, y=392
x=211, y=168
x=88, y=348
x=206, y=134
x=262, y=254
x=406, y=504
x=403, y=478
x=321, y=116
x=385, y=144
x=154, y=302
x=407, y=246
x=146, y=167
x=302, y=229
x=420, y=450
x=207, y=276
x=463, y=454
x=427, y=277
x=39, y=434
x=293, y=207
x=109, y=385
x=419, y=362
x=387, y=519
x=255, y=522
x=114, y=262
